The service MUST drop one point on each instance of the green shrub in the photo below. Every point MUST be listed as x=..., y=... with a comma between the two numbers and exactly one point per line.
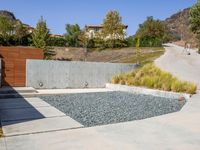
x=151, y=42
x=130, y=41
x=57, y=41
x=152, y=77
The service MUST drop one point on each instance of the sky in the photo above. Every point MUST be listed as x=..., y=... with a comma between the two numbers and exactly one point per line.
x=58, y=13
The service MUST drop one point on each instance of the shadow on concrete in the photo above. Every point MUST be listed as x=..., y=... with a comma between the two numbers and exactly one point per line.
x=14, y=108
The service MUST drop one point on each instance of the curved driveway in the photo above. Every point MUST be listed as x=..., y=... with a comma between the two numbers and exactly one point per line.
x=185, y=67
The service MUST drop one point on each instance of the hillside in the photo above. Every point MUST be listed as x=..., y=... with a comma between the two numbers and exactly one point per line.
x=8, y=14
x=179, y=25
x=124, y=55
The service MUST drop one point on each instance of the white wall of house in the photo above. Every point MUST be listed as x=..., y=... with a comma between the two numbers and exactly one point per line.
x=92, y=32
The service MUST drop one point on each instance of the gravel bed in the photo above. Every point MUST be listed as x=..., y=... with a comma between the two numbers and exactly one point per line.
x=91, y=109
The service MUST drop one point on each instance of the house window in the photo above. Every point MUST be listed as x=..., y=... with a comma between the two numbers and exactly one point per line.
x=96, y=29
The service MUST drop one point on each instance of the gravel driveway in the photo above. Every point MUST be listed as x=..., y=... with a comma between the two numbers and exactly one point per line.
x=93, y=109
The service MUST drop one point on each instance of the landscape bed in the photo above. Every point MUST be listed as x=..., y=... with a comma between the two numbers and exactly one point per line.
x=92, y=109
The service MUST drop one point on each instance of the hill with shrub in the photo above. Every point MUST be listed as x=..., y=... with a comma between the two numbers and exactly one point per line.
x=179, y=26
x=8, y=14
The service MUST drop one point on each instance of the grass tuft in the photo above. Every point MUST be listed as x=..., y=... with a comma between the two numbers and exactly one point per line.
x=1, y=132
x=153, y=77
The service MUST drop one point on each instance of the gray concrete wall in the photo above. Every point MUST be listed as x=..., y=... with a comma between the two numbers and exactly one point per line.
x=43, y=74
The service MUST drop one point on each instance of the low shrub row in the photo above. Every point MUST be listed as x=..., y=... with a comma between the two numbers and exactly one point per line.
x=151, y=76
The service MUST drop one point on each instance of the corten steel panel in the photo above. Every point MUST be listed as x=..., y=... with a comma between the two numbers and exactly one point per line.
x=14, y=64
x=8, y=81
x=9, y=62
x=19, y=82
x=31, y=53
x=3, y=54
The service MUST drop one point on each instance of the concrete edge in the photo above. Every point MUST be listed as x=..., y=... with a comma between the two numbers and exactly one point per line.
x=145, y=91
x=47, y=92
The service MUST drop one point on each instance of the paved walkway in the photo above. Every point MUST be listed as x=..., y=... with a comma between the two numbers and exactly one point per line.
x=176, y=131
x=186, y=67
x=32, y=115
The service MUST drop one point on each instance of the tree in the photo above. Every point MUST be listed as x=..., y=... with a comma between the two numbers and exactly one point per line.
x=83, y=39
x=138, y=51
x=151, y=28
x=40, y=37
x=195, y=20
x=84, y=42
x=20, y=33
x=151, y=32
x=130, y=41
x=72, y=35
x=6, y=29
x=113, y=29
x=57, y=41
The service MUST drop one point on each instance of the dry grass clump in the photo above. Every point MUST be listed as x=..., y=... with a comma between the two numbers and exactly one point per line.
x=1, y=132
x=151, y=76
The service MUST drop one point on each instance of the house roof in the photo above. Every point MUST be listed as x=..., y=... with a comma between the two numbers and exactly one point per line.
x=56, y=35
x=94, y=26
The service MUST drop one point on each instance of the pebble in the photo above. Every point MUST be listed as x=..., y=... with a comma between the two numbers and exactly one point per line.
x=92, y=109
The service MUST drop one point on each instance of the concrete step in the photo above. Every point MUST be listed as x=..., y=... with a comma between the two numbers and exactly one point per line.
x=18, y=95
x=16, y=92
x=11, y=90
x=11, y=95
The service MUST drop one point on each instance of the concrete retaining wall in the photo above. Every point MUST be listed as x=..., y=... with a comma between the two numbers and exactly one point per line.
x=43, y=74
x=146, y=91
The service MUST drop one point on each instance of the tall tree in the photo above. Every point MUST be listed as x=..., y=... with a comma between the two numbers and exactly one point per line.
x=40, y=37
x=195, y=20
x=138, y=51
x=6, y=29
x=151, y=32
x=151, y=28
x=20, y=32
x=113, y=29
x=72, y=34
x=84, y=41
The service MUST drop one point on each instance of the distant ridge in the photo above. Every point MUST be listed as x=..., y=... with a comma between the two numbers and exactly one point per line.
x=8, y=14
x=179, y=25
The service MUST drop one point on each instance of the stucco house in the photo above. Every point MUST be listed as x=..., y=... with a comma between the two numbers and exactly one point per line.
x=93, y=30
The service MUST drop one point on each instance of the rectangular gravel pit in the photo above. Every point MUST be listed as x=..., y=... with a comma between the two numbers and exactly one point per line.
x=91, y=109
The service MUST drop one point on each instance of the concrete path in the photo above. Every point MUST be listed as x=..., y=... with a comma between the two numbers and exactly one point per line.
x=30, y=92
x=176, y=131
x=70, y=91
x=185, y=67
x=7, y=89
x=2, y=144
x=32, y=115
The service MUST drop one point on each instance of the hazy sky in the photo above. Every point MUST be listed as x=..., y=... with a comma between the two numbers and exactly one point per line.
x=57, y=13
